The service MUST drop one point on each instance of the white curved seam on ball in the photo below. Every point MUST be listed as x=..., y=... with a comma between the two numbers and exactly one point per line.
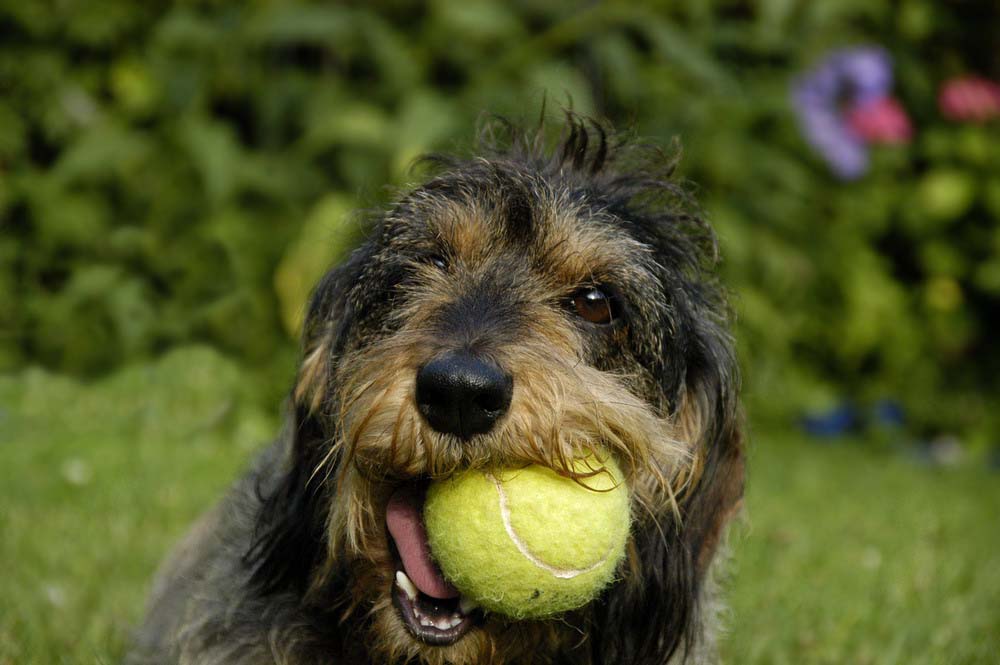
x=562, y=573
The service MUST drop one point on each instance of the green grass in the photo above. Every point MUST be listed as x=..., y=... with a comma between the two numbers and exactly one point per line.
x=849, y=554
x=96, y=483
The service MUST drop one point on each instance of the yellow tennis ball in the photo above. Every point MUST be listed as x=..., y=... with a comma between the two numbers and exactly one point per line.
x=529, y=543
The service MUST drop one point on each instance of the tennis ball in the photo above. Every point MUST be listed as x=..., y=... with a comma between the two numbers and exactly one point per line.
x=528, y=542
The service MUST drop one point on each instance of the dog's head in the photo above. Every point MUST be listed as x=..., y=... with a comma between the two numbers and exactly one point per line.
x=528, y=306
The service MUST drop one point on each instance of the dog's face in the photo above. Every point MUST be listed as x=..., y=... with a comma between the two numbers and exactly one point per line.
x=514, y=310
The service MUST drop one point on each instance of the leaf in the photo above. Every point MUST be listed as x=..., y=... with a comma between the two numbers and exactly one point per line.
x=213, y=148
x=478, y=21
x=671, y=43
x=104, y=151
x=339, y=120
x=292, y=24
x=945, y=194
x=321, y=240
x=424, y=119
x=563, y=84
x=134, y=86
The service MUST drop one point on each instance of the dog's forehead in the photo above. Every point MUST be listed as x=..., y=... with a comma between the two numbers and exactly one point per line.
x=557, y=233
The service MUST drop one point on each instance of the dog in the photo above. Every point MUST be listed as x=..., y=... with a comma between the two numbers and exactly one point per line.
x=544, y=300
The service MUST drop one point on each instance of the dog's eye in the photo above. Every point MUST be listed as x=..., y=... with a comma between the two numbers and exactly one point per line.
x=438, y=261
x=594, y=305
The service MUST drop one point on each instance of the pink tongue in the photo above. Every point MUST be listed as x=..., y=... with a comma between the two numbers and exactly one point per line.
x=406, y=526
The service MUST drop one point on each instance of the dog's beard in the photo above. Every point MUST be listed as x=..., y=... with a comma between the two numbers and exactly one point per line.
x=562, y=409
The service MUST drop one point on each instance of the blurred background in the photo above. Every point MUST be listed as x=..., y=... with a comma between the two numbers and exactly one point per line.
x=174, y=178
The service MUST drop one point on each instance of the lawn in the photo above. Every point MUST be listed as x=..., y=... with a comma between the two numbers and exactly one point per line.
x=849, y=553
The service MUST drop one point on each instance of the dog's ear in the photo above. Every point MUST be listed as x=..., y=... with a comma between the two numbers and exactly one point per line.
x=710, y=422
x=289, y=538
x=644, y=619
x=324, y=330
x=656, y=611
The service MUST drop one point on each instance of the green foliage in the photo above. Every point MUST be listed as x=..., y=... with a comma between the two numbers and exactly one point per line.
x=175, y=173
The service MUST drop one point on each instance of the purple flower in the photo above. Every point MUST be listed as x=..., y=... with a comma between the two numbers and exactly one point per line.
x=845, y=78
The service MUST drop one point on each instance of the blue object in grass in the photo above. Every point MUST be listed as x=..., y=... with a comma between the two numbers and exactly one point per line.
x=888, y=413
x=838, y=421
x=994, y=459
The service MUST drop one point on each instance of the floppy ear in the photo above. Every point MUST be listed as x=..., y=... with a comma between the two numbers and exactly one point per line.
x=289, y=540
x=656, y=611
x=710, y=420
x=643, y=620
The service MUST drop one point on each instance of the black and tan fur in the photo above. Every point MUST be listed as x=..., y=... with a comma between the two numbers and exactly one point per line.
x=294, y=565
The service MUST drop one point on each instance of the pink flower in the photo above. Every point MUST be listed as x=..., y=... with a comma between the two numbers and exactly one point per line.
x=880, y=120
x=969, y=98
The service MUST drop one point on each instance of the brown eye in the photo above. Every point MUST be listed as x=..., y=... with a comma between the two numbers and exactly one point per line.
x=593, y=305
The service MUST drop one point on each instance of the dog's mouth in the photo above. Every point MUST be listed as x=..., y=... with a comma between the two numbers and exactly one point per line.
x=431, y=608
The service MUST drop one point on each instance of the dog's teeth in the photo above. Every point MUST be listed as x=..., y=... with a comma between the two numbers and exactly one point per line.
x=406, y=585
x=441, y=623
x=423, y=619
x=446, y=623
x=466, y=605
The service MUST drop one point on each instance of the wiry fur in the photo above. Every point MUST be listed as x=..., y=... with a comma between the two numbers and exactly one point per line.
x=295, y=566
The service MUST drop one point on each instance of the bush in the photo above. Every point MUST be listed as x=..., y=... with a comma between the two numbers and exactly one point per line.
x=183, y=172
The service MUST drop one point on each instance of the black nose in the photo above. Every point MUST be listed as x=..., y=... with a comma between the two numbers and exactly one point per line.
x=463, y=395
